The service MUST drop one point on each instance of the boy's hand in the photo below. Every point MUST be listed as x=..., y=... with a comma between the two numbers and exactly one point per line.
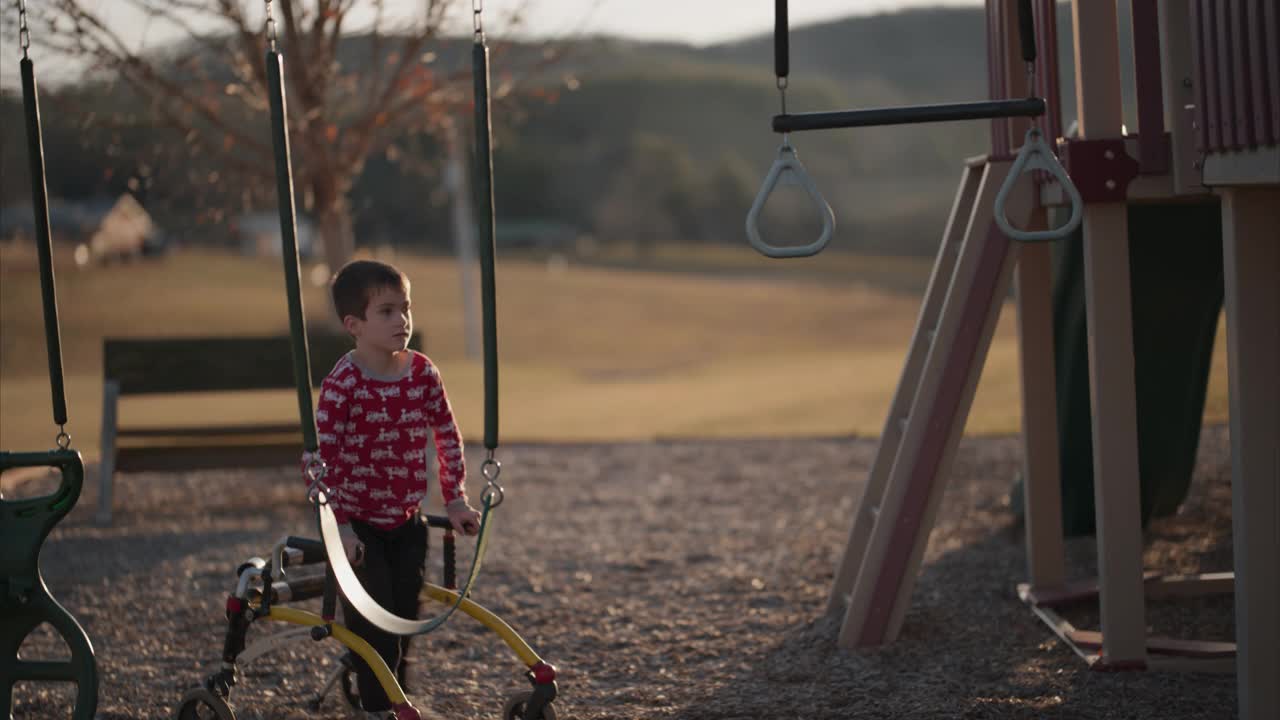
x=463, y=517
x=352, y=544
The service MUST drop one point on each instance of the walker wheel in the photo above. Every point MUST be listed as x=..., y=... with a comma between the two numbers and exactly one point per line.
x=204, y=704
x=514, y=709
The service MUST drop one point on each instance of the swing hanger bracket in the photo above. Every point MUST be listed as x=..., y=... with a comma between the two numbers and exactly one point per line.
x=1101, y=169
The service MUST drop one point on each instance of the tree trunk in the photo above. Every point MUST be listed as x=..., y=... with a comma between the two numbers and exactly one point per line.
x=333, y=214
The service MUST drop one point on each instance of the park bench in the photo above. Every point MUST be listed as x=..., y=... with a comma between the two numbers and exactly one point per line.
x=154, y=366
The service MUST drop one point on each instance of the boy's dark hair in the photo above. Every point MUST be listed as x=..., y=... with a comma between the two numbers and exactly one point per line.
x=357, y=280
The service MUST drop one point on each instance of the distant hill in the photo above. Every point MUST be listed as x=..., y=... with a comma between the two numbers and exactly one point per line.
x=937, y=54
x=644, y=139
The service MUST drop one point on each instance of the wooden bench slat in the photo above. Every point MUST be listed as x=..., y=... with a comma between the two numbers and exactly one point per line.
x=144, y=366
x=212, y=430
x=178, y=457
x=212, y=441
x=197, y=364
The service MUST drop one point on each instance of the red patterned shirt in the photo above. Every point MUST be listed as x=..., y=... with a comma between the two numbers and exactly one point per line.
x=374, y=433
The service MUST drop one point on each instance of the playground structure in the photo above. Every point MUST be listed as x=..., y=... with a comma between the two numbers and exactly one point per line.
x=973, y=269
x=1208, y=100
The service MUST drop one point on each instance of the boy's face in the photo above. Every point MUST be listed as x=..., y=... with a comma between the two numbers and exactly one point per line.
x=387, y=323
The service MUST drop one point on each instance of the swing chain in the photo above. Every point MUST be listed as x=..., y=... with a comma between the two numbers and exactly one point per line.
x=493, y=492
x=24, y=33
x=271, y=28
x=782, y=94
x=477, y=22
x=63, y=440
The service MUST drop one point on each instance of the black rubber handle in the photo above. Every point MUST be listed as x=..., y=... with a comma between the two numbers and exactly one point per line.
x=781, y=42
x=312, y=550
x=438, y=521
x=302, y=588
x=1027, y=30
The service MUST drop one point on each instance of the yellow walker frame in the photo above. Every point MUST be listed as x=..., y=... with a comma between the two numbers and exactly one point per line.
x=245, y=606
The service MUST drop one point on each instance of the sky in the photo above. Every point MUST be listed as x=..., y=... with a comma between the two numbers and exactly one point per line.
x=698, y=22
x=693, y=21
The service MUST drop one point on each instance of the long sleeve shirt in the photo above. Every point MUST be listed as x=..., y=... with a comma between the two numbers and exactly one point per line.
x=374, y=433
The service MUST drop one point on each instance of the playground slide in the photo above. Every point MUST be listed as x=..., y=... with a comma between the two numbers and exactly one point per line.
x=1175, y=266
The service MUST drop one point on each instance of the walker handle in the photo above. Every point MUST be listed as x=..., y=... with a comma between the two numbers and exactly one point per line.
x=787, y=161
x=1036, y=155
x=438, y=521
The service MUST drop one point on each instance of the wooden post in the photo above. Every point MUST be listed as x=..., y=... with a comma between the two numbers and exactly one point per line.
x=107, y=464
x=1251, y=259
x=864, y=518
x=1034, y=283
x=1042, y=489
x=1177, y=75
x=1111, y=366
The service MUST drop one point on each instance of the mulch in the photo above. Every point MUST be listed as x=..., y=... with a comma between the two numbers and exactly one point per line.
x=683, y=579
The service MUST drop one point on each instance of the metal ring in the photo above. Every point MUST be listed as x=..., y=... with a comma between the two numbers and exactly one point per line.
x=315, y=469
x=63, y=440
x=491, y=469
x=493, y=494
x=318, y=493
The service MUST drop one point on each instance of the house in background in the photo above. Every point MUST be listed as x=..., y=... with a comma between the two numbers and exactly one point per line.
x=100, y=229
x=122, y=233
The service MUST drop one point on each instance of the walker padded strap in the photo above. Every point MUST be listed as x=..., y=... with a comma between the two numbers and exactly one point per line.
x=360, y=598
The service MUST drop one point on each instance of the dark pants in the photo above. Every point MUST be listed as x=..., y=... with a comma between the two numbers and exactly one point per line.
x=392, y=573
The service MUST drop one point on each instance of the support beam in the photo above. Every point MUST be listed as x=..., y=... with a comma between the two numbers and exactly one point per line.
x=1042, y=496
x=1041, y=470
x=1251, y=260
x=1111, y=365
x=882, y=590
x=1178, y=77
x=864, y=518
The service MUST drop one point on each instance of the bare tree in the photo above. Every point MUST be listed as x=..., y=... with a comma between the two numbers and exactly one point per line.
x=211, y=86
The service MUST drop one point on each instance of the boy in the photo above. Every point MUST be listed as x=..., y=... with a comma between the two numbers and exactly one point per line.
x=376, y=411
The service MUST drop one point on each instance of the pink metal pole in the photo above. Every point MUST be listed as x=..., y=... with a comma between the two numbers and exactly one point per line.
x=995, y=75
x=1047, y=72
x=1199, y=71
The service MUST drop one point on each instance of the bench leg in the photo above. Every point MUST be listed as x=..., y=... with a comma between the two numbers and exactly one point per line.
x=107, y=466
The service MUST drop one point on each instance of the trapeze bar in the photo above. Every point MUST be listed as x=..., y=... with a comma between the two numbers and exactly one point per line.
x=912, y=114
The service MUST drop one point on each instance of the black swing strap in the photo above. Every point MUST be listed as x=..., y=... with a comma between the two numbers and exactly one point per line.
x=44, y=244
x=289, y=236
x=343, y=573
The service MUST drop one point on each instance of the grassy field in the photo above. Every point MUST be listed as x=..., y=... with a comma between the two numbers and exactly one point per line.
x=588, y=353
